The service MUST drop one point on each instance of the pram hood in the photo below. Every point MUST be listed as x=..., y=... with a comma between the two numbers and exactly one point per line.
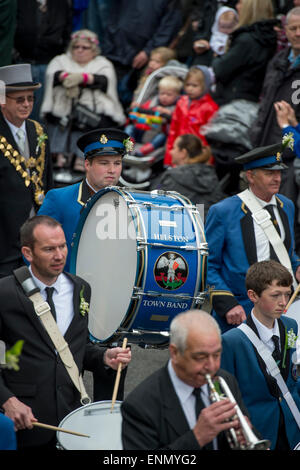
x=150, y=88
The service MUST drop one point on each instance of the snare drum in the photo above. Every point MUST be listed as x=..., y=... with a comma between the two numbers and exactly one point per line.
x=98, y=422
x=144, y=255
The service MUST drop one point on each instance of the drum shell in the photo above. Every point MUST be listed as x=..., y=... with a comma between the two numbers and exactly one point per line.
x=155, y=231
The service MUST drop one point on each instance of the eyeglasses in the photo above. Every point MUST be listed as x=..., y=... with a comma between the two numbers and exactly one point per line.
x=22, y=99
x=85, y=48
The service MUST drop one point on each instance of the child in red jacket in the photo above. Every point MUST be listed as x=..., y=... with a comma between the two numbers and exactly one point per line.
x=193, y=110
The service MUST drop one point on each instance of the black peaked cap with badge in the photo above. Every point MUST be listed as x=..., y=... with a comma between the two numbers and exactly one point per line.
x=104, y=142
x=268, y=158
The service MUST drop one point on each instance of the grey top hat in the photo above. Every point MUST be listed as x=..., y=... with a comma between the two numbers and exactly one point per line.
x=18, y=77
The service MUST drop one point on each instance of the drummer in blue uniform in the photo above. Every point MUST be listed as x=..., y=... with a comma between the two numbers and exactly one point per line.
x=103, y=151
x=238, y=234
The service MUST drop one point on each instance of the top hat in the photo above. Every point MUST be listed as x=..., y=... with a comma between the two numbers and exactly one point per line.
x=18, y=78
x=269, y=158
x=105, y=142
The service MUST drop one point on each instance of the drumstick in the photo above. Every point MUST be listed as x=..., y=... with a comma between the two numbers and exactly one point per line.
x=54, y=428
x=115, y=392
x=292, y=299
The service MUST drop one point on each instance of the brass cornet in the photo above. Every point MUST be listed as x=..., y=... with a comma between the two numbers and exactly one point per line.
x=252, y=442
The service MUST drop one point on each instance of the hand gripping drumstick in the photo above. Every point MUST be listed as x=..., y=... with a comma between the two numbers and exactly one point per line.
x=54, y=428
x=292, y=299
x=115, y=392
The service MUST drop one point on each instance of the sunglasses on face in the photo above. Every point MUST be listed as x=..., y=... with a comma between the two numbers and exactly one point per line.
x=22, y=99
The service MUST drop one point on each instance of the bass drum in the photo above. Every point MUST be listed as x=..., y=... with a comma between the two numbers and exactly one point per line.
x=145, y=256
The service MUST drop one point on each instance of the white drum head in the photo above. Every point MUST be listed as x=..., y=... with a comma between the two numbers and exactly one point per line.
x=97, y=421
x=107, y=260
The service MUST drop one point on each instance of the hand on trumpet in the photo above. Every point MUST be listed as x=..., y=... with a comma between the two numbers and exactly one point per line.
x=218, y=417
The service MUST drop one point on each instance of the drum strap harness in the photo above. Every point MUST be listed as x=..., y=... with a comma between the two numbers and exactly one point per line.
x=263, y=219
x=273, y=369
x=42, y=309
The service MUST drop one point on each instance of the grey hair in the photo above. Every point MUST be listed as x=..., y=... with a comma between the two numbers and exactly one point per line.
x=185, y=321
x=293, y=12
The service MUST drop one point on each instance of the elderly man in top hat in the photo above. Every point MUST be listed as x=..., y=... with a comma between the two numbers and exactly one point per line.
x=254, y=225
x=103, y=150
x=25, y=164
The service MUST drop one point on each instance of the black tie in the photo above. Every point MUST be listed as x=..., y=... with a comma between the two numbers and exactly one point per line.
x=198, y=407
x=276, y=353
x=270, y=209
x=50, y=291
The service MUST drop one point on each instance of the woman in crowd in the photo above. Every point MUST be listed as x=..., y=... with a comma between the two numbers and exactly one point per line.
x=83, y=76
x=191, y=175
x=240, y=72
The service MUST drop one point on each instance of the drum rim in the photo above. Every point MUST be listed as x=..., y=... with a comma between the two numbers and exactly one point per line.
x=89, y=405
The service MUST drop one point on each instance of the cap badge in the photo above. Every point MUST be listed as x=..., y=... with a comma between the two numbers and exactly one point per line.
x=103, y=139
x=278, y=157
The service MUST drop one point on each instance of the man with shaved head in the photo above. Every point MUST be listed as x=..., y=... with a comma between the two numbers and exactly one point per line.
x=162, y=412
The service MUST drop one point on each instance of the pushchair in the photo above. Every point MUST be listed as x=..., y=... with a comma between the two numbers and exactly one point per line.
x=138, y=172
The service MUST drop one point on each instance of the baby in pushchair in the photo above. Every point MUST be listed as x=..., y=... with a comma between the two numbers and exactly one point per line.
x=149, y=122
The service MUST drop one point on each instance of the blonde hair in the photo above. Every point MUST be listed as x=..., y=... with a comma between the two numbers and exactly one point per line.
x=165, y=53
x=170, y=82
x=255, y=10
x=194, y=71
x=85, y=35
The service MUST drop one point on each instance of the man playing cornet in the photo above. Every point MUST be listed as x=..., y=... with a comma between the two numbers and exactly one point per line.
x=161, y=412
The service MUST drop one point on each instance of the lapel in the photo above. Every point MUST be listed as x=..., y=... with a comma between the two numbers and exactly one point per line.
x=77, y=319
x=247, y=228
x=173, y=412
x=30, y=312
x=285, y=222
x=271, y=382
x=84, y=194
x=31, y=138
x=6, y=132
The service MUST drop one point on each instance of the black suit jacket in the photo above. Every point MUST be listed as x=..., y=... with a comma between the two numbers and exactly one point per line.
x=16, y=200
x=42, y=381
x=153, y=417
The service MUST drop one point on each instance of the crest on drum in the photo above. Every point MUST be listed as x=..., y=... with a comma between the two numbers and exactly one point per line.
x=170, y=270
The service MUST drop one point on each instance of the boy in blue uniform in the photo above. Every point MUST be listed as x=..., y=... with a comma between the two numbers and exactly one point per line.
x=270, y=392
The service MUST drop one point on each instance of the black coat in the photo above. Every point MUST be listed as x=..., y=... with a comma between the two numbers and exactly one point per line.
x=278, y=85
x=40, y=38
x=16, y=200
x=139, y=25
x=198, y=182
x=241, y=70
x=153, y=417
x=42, y=381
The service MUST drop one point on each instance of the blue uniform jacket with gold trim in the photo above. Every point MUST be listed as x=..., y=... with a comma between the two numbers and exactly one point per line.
x=65, y=205
x=260, y=393
x=232, y=249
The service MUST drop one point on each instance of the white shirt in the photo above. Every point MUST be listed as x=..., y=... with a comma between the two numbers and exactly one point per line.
x=187, y=398
x=62, y=299
x=266, y=333
x=15, y=129
x=262, y=242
